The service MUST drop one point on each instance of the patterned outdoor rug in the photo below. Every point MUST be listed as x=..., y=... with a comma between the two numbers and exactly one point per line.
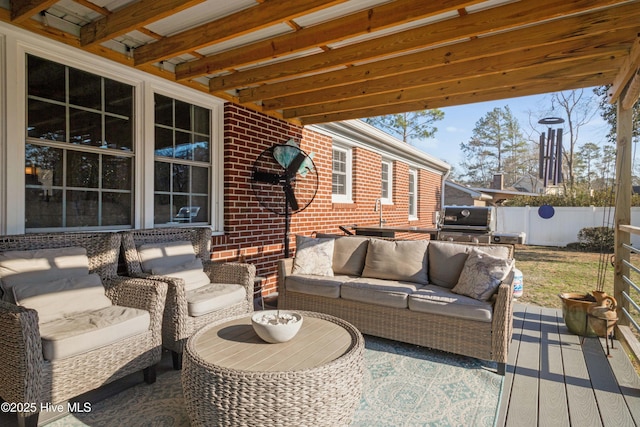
x=404, y=385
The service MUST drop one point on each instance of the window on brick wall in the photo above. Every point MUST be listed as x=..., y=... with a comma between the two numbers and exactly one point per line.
x=182, y=162
x=341, y=175
x=413, y=194
x=387, y=182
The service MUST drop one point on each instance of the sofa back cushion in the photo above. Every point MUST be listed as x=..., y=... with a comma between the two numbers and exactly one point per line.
x=58, y=298
x=349, y=254
x=447, y=259
x=40, y=266
x=165, y=254
x=403, y=260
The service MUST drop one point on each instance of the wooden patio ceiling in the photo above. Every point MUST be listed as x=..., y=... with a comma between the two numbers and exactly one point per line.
x=317, y=61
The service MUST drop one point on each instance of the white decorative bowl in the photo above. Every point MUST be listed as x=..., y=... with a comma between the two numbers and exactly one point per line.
x=274, y=329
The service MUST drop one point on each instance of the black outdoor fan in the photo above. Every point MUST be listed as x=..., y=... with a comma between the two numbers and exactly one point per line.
x=285, y=181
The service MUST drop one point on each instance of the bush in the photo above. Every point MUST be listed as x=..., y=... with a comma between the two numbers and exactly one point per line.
x=596, y=239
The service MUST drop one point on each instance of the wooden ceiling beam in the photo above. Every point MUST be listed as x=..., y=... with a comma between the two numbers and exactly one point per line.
x=481, y=64
x=355, y=24
x=453, y=88
x=485, y=22
x=627, y=71
x=243, y=22
x=632, y=92
x=22, y=10
x=131, y=17
x=481, y=96
x=556, y=33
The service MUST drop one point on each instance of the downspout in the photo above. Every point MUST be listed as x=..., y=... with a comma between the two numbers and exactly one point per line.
x=444, y=178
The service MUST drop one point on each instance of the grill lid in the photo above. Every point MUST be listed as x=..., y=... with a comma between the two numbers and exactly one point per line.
x=468, y=218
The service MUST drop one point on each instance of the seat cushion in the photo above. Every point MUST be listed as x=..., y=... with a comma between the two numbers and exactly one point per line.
x=165, y=254
x=482, y=274
x=390, y=293
x=313, y=256
x=397, y=260
x=85, y=331
x=438, y=300
x=62, y=297
x=191, y=272
x=40, y=265
x=214, y=296
x=316, y=285
x=447, y=259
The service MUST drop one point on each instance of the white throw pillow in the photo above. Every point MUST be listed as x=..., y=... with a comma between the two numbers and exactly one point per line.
x=482, y=274
x=58, y=298
x=192, y=273
x=313, y=256
x=165, y=254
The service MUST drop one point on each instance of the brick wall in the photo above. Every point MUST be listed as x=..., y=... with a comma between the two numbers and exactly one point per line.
x=256, y=235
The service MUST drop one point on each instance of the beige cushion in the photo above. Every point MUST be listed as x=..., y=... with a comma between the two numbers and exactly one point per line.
x=192, y=273
x=59, y=298
x=446, y=260
x=40, y=265
x=313, y=256
x=482, y=274
x=349, y=254
x=397, y=260
x=441, y=301
x=165, y=254
x=323, y=286
x=390, y=293
x=86, y=331
x=214, y=296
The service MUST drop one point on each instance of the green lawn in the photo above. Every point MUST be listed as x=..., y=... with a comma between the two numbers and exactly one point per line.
x=549, y=271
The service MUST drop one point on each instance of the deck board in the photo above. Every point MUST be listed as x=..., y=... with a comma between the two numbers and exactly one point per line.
x=555, y=379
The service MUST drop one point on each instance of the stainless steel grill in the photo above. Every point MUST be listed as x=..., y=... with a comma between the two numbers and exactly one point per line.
x=468, y=224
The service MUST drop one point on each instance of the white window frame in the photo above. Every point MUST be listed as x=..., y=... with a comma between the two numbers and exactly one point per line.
x=389, y=184
x=413, y=197
x=348, y=196
x=17, y=45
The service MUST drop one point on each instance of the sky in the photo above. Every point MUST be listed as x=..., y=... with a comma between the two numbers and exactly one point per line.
x=458, y=123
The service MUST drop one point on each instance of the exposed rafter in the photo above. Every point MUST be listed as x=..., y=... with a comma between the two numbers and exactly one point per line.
x=130, y=18
x=627, y=71
x=258, y=17
x=355, y=24
x=25, y=9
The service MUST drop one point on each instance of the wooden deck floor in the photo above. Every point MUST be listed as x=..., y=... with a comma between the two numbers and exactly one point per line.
x=554, y=380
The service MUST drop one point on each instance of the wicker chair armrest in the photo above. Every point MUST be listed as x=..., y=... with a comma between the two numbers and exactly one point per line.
x=21, y=370
x=231, y=272
x=143, y=294
x=285, y=267
x=502, y=324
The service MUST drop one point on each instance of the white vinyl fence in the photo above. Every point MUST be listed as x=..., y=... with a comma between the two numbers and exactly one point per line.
x=562, y=228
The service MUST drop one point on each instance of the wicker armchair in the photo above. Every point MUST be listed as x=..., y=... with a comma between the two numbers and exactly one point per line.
x=26, y=377
x=178, y=325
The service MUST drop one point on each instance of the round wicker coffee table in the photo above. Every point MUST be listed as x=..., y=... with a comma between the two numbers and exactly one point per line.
x=230, y=377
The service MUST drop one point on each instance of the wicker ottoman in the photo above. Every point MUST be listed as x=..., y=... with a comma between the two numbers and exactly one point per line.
x=230, y=377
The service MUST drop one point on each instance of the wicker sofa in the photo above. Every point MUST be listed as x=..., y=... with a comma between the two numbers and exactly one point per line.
x=404, y=291
x=68, y=322
x=227, y=289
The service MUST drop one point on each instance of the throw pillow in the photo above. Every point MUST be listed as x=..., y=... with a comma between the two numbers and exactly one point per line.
x=191, y=272
x=58, y=298
x=481, y=275
x=313, y=256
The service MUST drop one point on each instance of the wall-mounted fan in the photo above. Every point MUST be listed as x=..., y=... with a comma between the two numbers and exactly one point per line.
x=285, y=181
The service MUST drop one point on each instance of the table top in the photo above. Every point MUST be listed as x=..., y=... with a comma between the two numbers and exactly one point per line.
x=235, y=345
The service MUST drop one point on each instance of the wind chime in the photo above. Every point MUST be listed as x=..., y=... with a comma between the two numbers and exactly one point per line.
x=550, y=158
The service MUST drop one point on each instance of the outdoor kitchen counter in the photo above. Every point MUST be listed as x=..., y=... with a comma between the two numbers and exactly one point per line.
x=372, y=230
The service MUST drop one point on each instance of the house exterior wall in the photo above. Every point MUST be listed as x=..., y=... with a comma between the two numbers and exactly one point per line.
x=255, y=235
